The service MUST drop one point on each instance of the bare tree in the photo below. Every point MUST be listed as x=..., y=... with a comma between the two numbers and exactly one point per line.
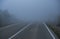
x=59, y=13
x=0, y=18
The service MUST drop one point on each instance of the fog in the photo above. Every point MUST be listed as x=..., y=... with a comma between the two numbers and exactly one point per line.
x=32, y=10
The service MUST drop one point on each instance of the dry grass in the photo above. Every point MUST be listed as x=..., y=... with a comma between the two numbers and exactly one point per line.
x=55, y=28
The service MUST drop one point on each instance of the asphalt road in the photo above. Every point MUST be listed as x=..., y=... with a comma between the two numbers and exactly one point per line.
x=34, y=31
x=26, y=31
x=6, y=32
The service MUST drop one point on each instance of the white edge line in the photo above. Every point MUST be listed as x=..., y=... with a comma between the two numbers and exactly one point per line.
x=19, y=31
x=49, y=31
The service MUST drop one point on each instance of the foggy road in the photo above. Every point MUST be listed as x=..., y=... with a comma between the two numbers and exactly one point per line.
x=19, y=12
x=26, y=31
x=9, y=30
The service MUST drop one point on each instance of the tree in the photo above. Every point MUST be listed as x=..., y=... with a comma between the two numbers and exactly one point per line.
x=0, y=18
x=59, y=14
x=58, y=21
x=4, y=17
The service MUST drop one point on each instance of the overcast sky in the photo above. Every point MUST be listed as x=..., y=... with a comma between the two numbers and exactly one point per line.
x=30, y=10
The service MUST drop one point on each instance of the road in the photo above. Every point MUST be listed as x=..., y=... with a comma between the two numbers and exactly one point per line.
x=26, y=31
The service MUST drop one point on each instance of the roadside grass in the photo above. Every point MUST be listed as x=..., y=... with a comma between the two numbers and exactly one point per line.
x=55, y=29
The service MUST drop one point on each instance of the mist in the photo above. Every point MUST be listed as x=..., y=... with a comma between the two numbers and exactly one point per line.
x=29, y=19
x=32, y=10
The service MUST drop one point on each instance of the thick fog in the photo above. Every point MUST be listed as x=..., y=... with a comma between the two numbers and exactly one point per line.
x=32, y=10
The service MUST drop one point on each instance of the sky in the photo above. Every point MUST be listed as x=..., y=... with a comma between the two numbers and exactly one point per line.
x=32, y=10
x=0, y=4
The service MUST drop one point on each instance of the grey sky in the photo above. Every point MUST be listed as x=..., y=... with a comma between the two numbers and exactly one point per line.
x=32, y=9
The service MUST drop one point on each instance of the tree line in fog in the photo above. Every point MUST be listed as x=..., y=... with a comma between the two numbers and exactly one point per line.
x=6, y=18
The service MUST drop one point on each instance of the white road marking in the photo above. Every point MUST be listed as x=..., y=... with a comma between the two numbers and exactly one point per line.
x=7, y=26
x=49, y=31
x=19, y=31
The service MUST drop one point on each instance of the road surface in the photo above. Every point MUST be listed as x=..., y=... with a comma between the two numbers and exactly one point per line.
x=26, y=31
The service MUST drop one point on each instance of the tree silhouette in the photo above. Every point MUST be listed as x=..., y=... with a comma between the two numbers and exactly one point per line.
x=0, y=18
x=4, y=17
